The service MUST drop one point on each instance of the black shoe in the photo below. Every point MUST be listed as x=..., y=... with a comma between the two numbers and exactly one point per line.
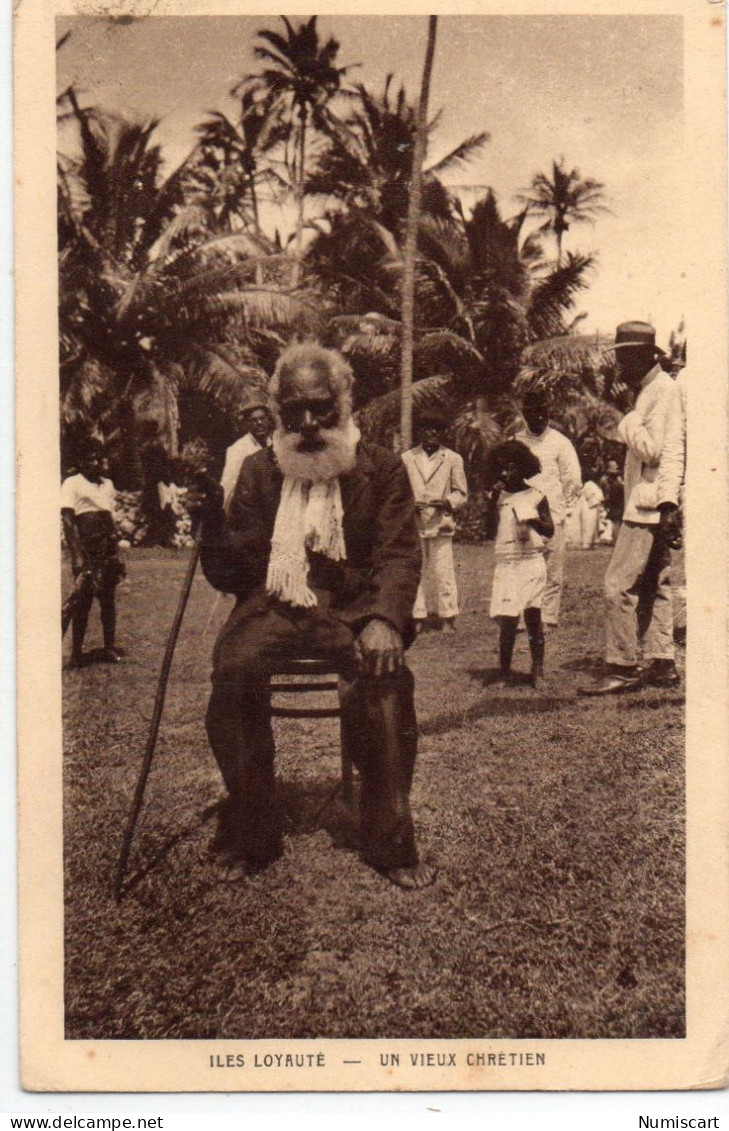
x=663, y=673
x=110, y=656
x=78, y=660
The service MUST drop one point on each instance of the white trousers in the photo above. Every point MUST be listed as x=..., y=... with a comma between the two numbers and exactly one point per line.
x=589, y=518
x=438, y=579
x=554, y=555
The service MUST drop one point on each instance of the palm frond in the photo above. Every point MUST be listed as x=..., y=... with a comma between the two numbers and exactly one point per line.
x=214, y=369
x=473, y=434
x=469, y=148
x=447, y=352
x=553, y=296
x=429, y=394
x=568, y=364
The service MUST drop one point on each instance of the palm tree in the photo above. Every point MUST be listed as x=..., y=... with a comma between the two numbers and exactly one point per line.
x=147, y=293
x=484, y=295
x=366, y=167
x=411, y=242
x=300, y=77
x=563, y=200
x=231, y=160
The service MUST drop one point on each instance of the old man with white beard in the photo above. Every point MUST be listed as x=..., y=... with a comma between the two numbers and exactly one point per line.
x=320, y=546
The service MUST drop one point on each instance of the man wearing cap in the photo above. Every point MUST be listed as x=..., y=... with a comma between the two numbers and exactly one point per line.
x=637, y=582
x=560, y=480
x=439, y=485
x=257, y=421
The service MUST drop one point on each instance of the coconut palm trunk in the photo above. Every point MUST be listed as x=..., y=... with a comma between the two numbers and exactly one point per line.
x=411, y=244
x=256, y=222
x=298, y=245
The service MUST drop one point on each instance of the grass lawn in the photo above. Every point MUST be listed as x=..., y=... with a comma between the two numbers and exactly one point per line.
x=557, y=824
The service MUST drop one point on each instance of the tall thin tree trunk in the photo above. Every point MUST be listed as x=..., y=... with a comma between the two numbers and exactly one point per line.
x=411, y=245
x=298, y=245
x=256, y=222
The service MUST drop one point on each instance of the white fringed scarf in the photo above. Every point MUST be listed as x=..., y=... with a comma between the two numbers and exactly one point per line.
x=309, y=517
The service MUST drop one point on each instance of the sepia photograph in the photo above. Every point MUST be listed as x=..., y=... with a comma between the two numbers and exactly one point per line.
x=372, y=545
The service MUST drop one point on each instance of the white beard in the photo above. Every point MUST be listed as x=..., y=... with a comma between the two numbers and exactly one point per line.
x=334, y=459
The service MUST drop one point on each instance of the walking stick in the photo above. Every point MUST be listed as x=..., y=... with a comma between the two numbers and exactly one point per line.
x=81, y=583
x=156, y=715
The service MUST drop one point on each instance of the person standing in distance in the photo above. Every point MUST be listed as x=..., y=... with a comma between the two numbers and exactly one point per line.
x=259, y=426
x=88, y=500
x=637, y=582
x=439, y=485
x=560, y=480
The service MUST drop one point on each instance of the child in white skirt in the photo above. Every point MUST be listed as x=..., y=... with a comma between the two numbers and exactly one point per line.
x=519, y=518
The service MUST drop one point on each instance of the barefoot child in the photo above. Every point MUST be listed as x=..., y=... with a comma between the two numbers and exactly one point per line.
x=518, y=516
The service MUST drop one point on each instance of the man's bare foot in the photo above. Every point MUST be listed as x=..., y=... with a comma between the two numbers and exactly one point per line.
x=412, y=879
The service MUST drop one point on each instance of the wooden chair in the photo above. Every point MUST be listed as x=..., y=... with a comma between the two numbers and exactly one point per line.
x=311, y=677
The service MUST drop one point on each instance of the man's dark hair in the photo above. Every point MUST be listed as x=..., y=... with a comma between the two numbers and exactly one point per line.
x=536, y=398
x=431, y=421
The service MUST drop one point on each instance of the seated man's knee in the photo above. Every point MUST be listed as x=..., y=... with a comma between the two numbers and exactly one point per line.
x=240, y=663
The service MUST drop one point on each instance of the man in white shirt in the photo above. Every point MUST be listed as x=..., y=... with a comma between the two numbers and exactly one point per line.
x=258, y=424
x=560, y=480
x=637, y=582
x=88, y=502
x=439, y=485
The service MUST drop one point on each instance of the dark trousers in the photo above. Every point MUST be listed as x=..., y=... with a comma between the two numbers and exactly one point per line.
x=97, y=535
x=378, y=724
x=80, y=617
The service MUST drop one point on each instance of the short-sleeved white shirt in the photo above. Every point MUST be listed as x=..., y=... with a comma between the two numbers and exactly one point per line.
x=80, y=495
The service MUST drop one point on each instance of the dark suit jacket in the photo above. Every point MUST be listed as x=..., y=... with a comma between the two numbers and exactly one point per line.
x=381, y=573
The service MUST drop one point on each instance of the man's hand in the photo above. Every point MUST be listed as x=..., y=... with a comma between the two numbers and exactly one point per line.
x=378, y=648
x=669, y=527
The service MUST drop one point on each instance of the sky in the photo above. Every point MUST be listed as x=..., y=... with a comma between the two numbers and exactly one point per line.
x=604, y=92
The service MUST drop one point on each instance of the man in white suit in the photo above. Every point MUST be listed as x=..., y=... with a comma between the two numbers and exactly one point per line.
x=637, y=582
x=672, y=469
x=439, y=485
